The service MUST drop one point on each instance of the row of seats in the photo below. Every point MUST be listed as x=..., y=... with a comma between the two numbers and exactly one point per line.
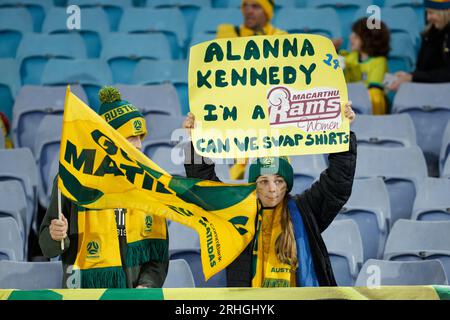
x=171, y=24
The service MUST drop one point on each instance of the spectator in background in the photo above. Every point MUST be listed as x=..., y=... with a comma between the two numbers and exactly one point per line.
x=257, y=16
x=367, y=60
x=433, y=63
x=114, y=248
x=4, y=130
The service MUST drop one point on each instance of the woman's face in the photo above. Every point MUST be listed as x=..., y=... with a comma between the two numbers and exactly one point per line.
x=270, y=189
x=436, y=18
x=355, y=42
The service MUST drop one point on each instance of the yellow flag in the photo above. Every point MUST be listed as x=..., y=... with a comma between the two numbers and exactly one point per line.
x=100, y=169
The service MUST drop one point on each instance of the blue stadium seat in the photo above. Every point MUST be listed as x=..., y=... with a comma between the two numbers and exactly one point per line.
x=18, y=164
x=113, y=8
x=345, y=10
x=2, y=141
x=432, y=202
x=13, y=204
x=9, y=86
x=179, y=275
x=208, y=19
x=343, y=241
x=307, y=169
x=91, y=74
x=37, y=9
x=94, y=23
x=189, y=8
x=172, y=71
x=14, y=22
x=184, y=244
x=32, y=104
x=398, y=20
x=446, y=171
x=402, y=56
x=123, y=51
x=402, y=170
x=162, y=126
x=416, y=5
x=428, y=104
x=419, y=240
x=48, y=138
x=199, y=38
x=169, y=158
x=318, y=21
x=369, y=207
x=36, y=49
x=169, y=22
x=445, y=147
x=31, y=275
x=359, y=96
x=396, y=130
x=401, y=273
x=11, y=238
x=152, y=99
x=7, y=254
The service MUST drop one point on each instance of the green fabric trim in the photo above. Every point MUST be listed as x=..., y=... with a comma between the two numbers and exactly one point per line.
x=111, y=277
x=139, y=294
x=275, y=283
x=443, y=292
x=143, y=251
x=121, y=120
x=35, y=295
x=375, y=85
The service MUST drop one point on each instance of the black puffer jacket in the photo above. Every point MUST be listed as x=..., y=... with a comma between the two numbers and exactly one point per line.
x=433, y=63
x=318, y=205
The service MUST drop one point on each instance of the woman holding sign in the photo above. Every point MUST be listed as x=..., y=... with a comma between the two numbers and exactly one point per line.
x=288, y=250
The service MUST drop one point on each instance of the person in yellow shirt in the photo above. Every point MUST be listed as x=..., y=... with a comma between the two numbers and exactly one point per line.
x=257, y=16
x=4, y=130
x=367, y=61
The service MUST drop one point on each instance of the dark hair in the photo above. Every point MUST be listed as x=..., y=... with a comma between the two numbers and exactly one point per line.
x=375, y=42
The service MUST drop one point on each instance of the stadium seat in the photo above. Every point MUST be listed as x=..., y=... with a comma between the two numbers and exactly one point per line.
x=432, y=201
x=32, y=104
x=402, y=170
x=31, y=275
x=152, y=99
x=359, y=96
x=345, y=10
x=445, y=147
x=416, y=5
x=14, y=22
x=199, y=38
x=369, y=207
x=2, y=141
x=170, y=158
x=189, y=8
x=169, y=22
x=398, y=20
x=307, y=168
x=36, y=8
x=208, y=19
x=401, y=273
x=7, y=254
x=91, y=74
x=94, y=23
x=446, y=171
x=162, y=126
x=172, y=71
x=184, y=244
x=18, y=164
x=123, y=51
x=179, y=275
x=113, y=8
x=9, y=86
x=396, y=130
x=428, y=104
x=419, y=240
x=36, y=49
x=318, y=21
x=13, y=203
x=343, y=241
x=47, y=146
x=11, y=238
x=402, y=56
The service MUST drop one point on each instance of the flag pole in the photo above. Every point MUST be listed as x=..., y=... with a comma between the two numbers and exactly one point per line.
x=60, y=215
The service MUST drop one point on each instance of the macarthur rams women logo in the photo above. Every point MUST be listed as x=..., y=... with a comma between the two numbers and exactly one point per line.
x=310, y=110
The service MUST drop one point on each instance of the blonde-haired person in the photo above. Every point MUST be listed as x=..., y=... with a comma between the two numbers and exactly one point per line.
x=433, y=63
x=288, y=249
